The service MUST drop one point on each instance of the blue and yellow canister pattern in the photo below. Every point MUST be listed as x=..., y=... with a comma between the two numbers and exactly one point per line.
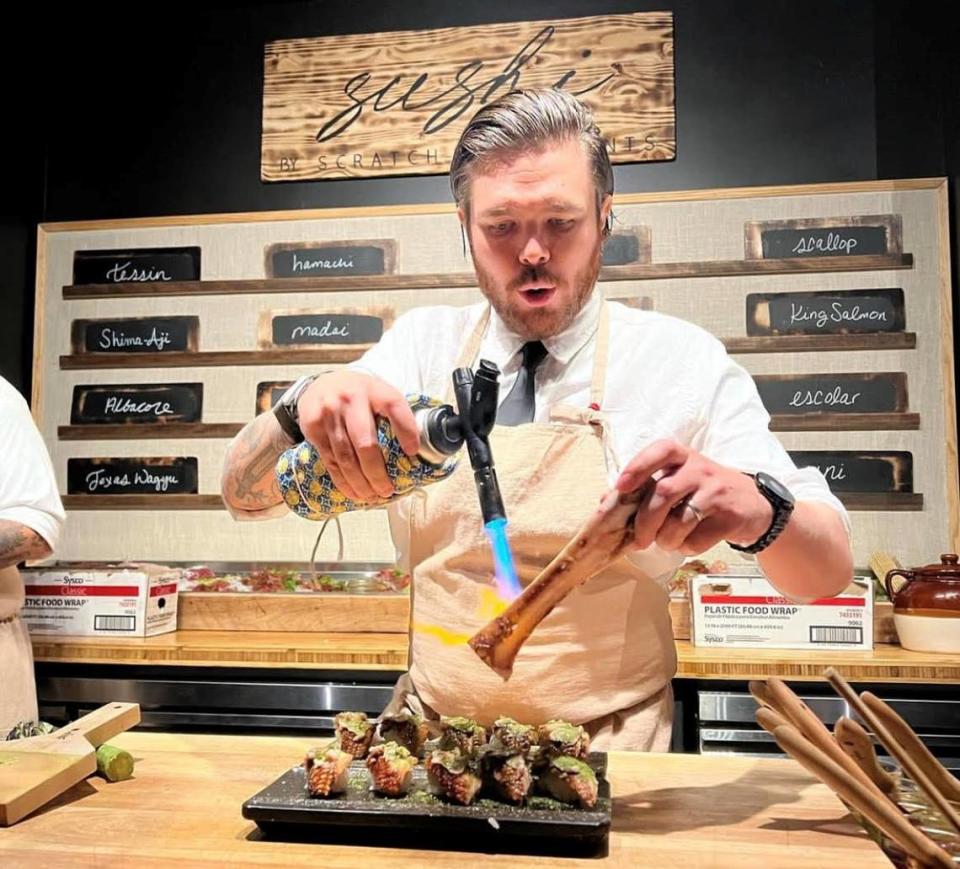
x=309, y=492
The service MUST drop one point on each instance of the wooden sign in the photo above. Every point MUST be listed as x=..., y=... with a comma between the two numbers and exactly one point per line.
x=867, y=471
x=378, y=104
x=331, y=259
x=876, y=235
x=826, y=313
x=308, y=327
x=121, y=476
x=833, y=393
x=269, y=392
x=626, y=248
x=137, y=403
x=136, y=335
x=136, y=265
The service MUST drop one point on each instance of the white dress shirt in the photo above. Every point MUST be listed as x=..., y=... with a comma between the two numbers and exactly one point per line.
x=28, y=496
x=666, y=378
x=28, y=487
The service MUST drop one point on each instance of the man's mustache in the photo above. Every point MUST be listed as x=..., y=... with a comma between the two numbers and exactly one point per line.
x=533, y=275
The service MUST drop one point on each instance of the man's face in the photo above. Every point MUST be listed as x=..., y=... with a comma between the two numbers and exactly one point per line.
x=535, y=236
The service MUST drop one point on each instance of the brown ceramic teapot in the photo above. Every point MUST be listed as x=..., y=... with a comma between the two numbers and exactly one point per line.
x=926, y=607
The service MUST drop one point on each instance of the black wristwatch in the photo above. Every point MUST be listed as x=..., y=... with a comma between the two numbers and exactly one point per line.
x=782, y=502
x=285, y=410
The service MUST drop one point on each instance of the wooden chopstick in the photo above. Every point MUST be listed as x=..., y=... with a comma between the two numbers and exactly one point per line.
x=893, y=746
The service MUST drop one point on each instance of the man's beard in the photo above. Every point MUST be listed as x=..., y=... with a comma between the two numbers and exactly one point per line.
x=536, y=324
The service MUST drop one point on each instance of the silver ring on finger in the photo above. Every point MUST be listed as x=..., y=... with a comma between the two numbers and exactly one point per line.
x=697, y=512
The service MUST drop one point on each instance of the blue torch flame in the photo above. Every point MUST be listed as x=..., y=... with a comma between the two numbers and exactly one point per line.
x=504, y=569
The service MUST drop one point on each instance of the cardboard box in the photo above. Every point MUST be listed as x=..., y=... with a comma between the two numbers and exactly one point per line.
x=101, y=602
x=747, y=612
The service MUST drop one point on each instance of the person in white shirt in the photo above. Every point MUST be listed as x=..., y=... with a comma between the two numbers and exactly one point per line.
x=606, y=396
x=31, y=517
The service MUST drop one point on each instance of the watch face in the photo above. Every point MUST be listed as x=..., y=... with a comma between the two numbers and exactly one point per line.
x=775, y=487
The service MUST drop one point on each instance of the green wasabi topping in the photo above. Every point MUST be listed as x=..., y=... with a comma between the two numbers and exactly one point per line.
x=573, y=766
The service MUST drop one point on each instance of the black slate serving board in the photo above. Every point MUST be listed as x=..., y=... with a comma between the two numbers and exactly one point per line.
x=283, y=810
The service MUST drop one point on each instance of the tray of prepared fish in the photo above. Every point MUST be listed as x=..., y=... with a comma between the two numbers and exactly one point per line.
x=447, y=784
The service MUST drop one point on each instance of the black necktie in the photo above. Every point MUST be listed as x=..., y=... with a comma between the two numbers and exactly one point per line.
x=518, y=407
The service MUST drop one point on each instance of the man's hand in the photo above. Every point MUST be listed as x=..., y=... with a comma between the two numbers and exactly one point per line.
x=336, y=414
x=692, y=503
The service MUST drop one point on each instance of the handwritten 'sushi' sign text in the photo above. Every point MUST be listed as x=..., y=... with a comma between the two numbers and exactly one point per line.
x=469, y=86
x=379, y=115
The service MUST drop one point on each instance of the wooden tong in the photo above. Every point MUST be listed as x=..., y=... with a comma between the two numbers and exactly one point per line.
x=805, y=738
x=907, y=756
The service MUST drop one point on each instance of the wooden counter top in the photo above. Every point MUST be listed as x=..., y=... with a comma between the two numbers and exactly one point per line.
x=375, y=651
x=183, y=807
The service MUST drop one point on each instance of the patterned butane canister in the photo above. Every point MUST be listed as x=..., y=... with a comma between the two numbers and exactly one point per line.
x=308, y=490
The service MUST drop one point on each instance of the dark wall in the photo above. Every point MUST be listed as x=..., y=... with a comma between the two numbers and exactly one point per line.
x=766, y=93
x=162, y=116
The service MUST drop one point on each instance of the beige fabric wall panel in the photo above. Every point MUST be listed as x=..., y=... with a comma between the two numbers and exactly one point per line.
x=700, y=226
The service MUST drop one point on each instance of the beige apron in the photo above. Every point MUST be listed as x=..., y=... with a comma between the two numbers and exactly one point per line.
x=18, y=693
x=605, y=656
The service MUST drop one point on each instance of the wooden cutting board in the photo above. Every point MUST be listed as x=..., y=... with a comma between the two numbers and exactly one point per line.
x=35, y=770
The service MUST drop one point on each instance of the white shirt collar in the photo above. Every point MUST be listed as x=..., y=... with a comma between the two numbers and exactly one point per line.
x=505, y=343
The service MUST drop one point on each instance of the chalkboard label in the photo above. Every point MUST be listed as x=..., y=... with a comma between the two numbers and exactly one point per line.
x=269, y=392
x=860, y=471
x=833, y=393
x=625, y=248
x=829, y=241
x=826, y=313
x=800, y=238
x=327, y=329
x=136, y=335
x=137, y=403
x=115, y=476
x=331, y=259
x=136, y=265
x=309, y=327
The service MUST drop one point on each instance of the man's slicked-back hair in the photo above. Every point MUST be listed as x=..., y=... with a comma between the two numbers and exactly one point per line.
x=524, y=121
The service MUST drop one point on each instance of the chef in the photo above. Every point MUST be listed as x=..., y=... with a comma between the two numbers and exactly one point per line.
x=595, y=395
x=31, y=516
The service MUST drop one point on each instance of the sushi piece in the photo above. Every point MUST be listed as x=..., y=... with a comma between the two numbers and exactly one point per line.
x=452, y=775
x=461, y=734
x=354, y=732
x=506, y=775
x=511, y=735
x=405, y=728
x=391, y=769
x=570, y=780
x=327, y=771
x=562, y=738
